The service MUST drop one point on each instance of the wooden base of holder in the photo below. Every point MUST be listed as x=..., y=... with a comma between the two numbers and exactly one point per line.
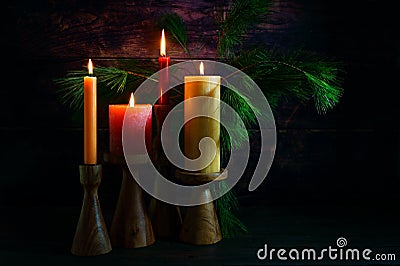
x=91, y=236
x=131, y=226
x=165, y=218
x=200, y=224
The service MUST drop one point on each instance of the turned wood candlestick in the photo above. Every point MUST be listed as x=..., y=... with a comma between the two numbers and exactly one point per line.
x=200, y=224
x=91, y=236
x=166, y=218
x=131, y=226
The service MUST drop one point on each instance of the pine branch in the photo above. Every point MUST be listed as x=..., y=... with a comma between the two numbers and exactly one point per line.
x=300, y=75
x=174, y=24
x=227, y=206
x=71, y=89
x=246, y=112
x=111, y=82
x=240, y=17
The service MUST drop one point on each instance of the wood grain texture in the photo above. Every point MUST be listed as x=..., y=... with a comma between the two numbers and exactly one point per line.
x=195, y=179
x=129, y=29
x=131, y=226
x=91, y=236
x=201, y=225
x=166, y=219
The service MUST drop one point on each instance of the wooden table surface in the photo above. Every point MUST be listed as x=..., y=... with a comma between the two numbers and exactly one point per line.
x=42, y=235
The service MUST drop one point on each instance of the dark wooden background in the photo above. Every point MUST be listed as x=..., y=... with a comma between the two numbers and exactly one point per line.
x=350, y=154
x=337, y=162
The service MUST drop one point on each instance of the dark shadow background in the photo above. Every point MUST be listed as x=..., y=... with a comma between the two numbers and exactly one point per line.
x=347, y=157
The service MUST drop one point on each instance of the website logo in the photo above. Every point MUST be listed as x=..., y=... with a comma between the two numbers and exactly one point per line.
x=339, y=252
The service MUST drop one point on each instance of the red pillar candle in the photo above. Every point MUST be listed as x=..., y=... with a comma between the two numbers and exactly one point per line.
x=138, y=119
x=163, y=79
x=116, y=113
x=90, y=117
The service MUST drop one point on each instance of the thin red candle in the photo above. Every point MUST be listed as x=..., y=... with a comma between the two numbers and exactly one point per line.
x=163, y=79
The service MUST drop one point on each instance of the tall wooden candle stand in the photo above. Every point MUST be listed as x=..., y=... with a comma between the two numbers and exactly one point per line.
x=91, y=236
x=131, y=226
x=200, y=224
x=166, y=218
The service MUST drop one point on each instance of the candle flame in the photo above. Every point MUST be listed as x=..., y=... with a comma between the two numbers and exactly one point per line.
x=132, y=101
x=201, y=68
x=90, y=67
x=162, y=46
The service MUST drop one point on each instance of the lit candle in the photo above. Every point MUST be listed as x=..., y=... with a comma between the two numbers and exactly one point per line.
x=163, y=79
x=201, y=127
x=138, y=118
x=90, y=116
x=116, y=113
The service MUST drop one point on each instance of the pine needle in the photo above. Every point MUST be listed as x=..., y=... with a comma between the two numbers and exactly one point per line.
x=227, y=207
x=236, y=22
x=174, y=24
x=298, y=74
x=111, y=82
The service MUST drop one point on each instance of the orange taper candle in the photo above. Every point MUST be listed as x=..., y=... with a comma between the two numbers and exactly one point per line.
x=90, y=117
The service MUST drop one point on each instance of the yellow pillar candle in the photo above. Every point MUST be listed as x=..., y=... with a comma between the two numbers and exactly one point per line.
x=201, y=127
x=90, y=117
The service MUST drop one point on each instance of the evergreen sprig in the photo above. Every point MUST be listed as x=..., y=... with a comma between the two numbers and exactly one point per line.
x=246, y=112
x=227, y=207
x=111, y=82
x=298, y=74
x=174, y=24
x=235, y=23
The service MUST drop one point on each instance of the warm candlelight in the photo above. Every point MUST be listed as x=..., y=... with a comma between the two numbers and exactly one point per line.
x=162, y=45
x=201, y=127
x=201, y=68
x=138, y=117
x=132, y=101
x=90, y=116
x=163, y=79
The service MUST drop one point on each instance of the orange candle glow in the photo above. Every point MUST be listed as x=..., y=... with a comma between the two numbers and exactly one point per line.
x=90, y=117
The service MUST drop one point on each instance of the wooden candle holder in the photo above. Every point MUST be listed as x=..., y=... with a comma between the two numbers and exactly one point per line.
x=166, y=218
x=200, y=224
x=91, y=236
x=131, y=226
